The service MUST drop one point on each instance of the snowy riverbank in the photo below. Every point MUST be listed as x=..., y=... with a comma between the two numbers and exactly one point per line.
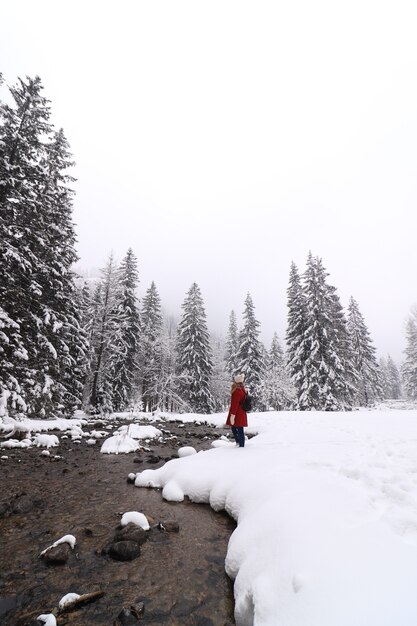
x=326, y=505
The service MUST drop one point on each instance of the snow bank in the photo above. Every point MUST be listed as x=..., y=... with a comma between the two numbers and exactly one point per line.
x=15, y=443
x=326, y=507
x=38, y=426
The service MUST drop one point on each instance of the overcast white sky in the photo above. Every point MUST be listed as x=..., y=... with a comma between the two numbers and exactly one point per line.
x=222, y=140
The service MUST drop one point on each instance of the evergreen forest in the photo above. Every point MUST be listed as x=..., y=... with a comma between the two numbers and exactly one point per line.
x=67, y=343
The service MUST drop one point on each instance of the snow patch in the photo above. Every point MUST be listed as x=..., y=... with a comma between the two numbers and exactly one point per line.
x=134, y=517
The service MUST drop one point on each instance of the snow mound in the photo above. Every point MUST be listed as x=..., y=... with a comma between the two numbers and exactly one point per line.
x=119, y=444
x=135, y=517
x=140, y=432
x=91, y=442
x=46, y=441
x=222, y=443
x=14, y=443
x=47, y=618
x=186, y=451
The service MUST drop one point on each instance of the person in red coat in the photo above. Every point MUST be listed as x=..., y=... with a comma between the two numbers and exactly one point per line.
x=237, y=417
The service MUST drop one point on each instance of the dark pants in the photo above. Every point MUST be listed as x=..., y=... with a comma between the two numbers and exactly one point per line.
x=239, y=435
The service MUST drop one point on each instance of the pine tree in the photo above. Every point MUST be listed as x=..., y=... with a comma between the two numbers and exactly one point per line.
x=45, y=346
x=325, y=381
x=394, y=380
x=104, y=343
x=195, y=364
x=369, y=387
x=232, y=345
x=277, y=389
x=250, y=359
x=384, y=378
x=170, y=381
x=125, y=361
x=296, y=328
x=220, y=381
x=151, y=348
x=409, y=368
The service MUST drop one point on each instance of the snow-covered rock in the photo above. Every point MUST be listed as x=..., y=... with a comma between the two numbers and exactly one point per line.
x=134, y=517
x=140, y=432
x=186, y=451
x=70, y=539
x=46, y=441
x=67, y=599
x=48, y=619
x=119, y=444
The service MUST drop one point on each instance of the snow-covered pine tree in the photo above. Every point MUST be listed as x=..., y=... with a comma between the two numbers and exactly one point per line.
x=151, y=348
x=295, y=335
x=409, y=367
x=394, y=379
x=126, y=347
x=46, y=346
x=383, y=369
x=325, y=382
x=250, y=356
x=369, y=387
x=232, y=345
x=220, y=381
x=277, y=389
x=170, y=380
x=104, y=344
x=195, y=364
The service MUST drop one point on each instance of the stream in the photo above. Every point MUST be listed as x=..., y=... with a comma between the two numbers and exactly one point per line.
x=178, y=578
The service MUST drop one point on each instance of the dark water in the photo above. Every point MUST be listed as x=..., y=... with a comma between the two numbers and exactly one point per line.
x=179, y=576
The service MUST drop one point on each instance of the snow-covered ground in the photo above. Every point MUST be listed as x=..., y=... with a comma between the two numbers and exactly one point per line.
x=326, y=506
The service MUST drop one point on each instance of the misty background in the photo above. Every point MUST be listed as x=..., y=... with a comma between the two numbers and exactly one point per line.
x=223, y=140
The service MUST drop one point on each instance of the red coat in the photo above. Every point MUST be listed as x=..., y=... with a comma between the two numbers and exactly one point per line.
x=241, y=419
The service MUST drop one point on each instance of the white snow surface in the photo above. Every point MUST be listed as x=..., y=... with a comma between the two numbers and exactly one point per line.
x=140, y=432
x=186, y=451
x=46, y=441
x=15, y=443
x=36, y=426
x=135, y=517
x=119, y=444
x=70, y=539
x=48, y=619
x=67, y=599
x=326, y=512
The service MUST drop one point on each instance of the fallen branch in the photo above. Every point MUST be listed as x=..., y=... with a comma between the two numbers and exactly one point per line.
x=71, y=606
x=86, y=598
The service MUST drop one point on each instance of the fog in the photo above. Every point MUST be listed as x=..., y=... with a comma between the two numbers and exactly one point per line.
x=223, y=140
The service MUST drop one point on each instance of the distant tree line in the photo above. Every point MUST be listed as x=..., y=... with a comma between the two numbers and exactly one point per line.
x=65, y=344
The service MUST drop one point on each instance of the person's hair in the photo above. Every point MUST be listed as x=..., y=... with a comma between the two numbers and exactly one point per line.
x=235, y=386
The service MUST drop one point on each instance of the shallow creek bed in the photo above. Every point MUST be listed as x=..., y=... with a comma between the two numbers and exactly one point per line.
x=178, y=577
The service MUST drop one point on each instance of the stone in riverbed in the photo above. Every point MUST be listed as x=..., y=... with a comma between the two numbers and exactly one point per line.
x=5, y=509
x=129, y=616
x=124, y=550
x=131, y=532
x=169, y=526
x=58, y=555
